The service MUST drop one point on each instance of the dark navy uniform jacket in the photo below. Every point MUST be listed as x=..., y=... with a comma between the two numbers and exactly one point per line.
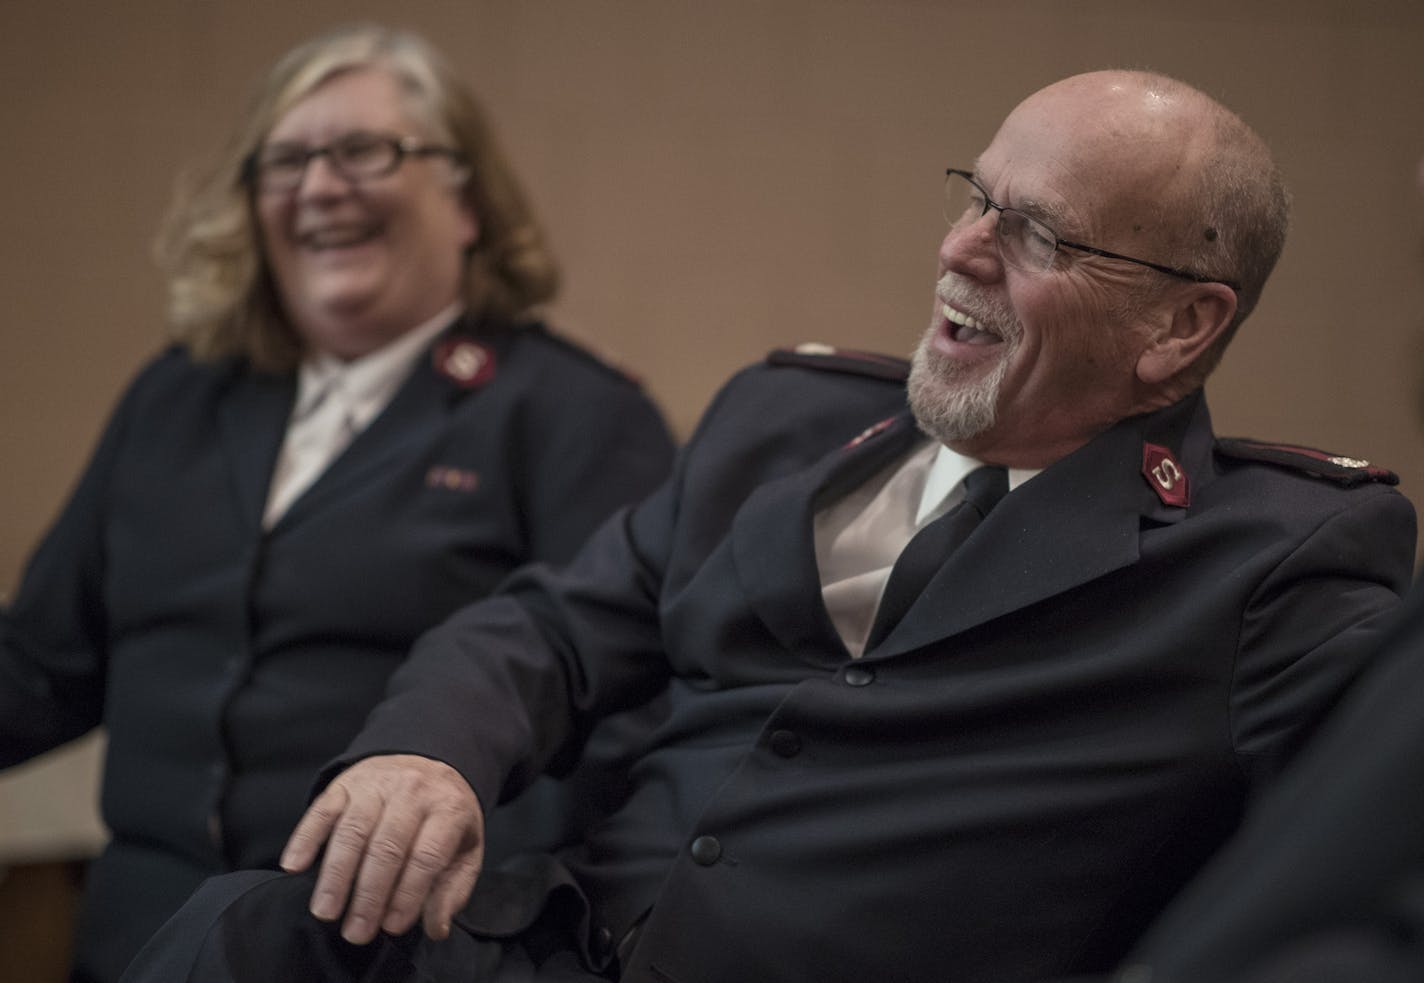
x=228, y=663
x=1008, y=787
x=1325, y=881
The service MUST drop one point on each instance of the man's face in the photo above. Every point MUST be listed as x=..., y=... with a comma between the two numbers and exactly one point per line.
x=1020, y=368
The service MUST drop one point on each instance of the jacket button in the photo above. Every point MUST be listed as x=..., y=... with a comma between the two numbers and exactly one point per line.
x=706, y=850
x=603, y=942
x=785, y=744
x=859, y=676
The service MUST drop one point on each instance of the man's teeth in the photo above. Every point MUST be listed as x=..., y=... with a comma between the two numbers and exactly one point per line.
x=960, y=318
x=966, y=328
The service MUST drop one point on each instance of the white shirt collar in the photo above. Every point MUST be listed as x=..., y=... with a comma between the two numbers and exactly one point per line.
x=947, y=471
x=368, y=383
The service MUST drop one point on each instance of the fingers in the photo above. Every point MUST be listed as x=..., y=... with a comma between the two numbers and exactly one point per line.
x=402, y=834
x=438, y=875
x=372, y=849
x=450, y=892
x=313, y=829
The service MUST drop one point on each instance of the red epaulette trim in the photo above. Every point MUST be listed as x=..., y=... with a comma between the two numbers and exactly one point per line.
x=813, y=355
x=1346, y=471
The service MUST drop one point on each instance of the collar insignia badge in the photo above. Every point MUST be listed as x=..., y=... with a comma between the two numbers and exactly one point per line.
x=466, y=363
x=1166, y=476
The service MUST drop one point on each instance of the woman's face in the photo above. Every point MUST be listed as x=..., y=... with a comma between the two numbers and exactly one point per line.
x=358, y=263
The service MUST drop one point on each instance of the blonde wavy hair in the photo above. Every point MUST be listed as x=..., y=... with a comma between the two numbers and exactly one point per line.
x=221, y=298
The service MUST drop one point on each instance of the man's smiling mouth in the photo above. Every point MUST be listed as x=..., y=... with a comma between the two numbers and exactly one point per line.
x=966, y=329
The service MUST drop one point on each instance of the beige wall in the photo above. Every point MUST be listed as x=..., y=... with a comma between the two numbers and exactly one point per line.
x=720, y=178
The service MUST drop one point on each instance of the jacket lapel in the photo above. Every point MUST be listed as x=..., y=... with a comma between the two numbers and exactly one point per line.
x=1078, y=520
x=252, y=419
x=773, y=539
x=415, y=413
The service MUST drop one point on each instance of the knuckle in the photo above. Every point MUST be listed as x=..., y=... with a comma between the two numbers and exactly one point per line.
x=366, y=898
x=454, y=809
x=351, y=835
x=386, y=850
x=427, y=859
x=323, y=810
x=406, y=900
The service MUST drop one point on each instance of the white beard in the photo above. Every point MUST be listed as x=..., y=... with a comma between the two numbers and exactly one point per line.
x=948, y=408
x=947, y=405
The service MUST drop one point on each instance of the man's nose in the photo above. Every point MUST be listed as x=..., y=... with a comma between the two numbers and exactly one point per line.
x=971, y=248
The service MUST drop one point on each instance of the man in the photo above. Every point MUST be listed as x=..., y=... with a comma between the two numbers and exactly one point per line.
x=999, y=773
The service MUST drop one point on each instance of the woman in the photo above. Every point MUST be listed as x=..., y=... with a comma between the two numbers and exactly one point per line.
x=359, y=430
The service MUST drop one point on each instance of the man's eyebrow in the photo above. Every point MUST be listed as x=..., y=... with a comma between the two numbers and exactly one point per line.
x=1051, y=214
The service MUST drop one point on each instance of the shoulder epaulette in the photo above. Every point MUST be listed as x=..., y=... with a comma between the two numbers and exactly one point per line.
x=585, y=351
x=813, y=355
x=1346, y=471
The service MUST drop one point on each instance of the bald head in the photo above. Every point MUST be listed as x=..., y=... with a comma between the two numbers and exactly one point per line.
x=1137, y=220
x=1180, y=178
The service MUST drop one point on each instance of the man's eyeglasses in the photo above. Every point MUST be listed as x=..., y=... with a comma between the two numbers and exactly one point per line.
x=1026, y=243
x=357, y=156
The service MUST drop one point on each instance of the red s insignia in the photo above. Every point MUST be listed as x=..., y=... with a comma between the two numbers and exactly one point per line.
x=467, y=363
x=1165, y=476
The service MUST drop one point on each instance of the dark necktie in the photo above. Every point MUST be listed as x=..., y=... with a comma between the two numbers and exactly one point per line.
x=926, y=552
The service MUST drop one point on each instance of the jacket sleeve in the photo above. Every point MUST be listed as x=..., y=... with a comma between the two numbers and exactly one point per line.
x=498, y=688
x=509, y=684
x=1329, y=849
x=53, y=637
x=1313, y=624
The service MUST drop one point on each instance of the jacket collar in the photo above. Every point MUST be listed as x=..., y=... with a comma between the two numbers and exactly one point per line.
x=254, y=414
x=1079, y=519
x=773, y=539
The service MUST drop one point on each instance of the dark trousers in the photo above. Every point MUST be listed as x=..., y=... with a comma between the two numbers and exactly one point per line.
x=254, y=927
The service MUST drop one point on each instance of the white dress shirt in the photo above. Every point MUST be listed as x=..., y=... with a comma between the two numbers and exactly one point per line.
x=859, y=537
x=335, y=401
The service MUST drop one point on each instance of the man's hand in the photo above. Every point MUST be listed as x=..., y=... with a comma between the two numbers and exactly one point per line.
x=404, y=835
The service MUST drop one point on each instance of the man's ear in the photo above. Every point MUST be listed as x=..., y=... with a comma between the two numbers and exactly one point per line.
x=1202, y=313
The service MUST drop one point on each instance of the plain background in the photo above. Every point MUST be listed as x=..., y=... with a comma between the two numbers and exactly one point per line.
x=718, y=179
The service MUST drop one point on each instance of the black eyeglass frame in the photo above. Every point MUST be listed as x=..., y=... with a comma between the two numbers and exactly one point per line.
x=401, y=148
x=1083, y=247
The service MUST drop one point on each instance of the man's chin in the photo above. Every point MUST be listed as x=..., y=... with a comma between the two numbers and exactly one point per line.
x=953, y=431
x=953, y=416
x=948, y=407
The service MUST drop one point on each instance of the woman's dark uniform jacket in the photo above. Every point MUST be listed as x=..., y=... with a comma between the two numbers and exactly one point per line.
x=229, y=664
x=1008, y=787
